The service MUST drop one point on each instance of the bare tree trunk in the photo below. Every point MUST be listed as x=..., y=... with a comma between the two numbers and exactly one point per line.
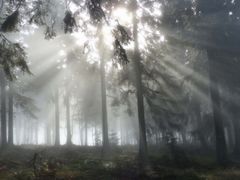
x=86, y=133
x=140, y=102
x=95, y=134
x=69, y=136
x=80, y=132
x=36, y=133
x=197, y=115
x=21, y=131
x=10, y=115
x=121, y=133
x=18, y=131
x=3, y=110
x=221, y=150
x=57, y=126
x=48, y=133
x=236, y=127
x=237, y=136
x=104, y=98
x=48, y=126
x=195, y=110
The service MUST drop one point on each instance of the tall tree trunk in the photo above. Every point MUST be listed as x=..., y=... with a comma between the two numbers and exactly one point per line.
x=237, y=136
x=195, y=110
x=48, y=133
x=69, y=136
x=221, y=150
x=3, y=110
x=197, y=115
x=86, y=133
x=121, y=133
x=80, y=132
x=18, y=131
x=105, y=140
x=21, y=130
x=48, y=125
x=236, y=126
x=95, y=134
x=10, y=115
x=140, y=101
x=229, y=136
x=57, y=126
x=36, y=133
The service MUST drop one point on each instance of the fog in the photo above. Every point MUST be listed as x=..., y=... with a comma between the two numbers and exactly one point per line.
x=140, y=89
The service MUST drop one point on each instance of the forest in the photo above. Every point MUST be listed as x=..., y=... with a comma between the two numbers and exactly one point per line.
x=119, y=89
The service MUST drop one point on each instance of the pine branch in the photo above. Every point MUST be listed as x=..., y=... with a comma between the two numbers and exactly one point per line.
x=120, y=55
x=69, y=22
x=12, y=57
x=11, y=22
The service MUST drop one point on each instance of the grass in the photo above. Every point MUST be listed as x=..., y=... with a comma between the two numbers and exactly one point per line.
x=76, y=163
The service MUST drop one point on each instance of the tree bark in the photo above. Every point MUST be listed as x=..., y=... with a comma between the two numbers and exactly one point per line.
x=57, y=126
x=86, y=133
x=236, y=126
x=80, y=133
x=197, y=115
x=69, y=136
x=105, y=140
x=195, y=110
x=3, y=111
x=48, y=133
x=36, y=133
x=10, y=115
x=237, y=136
x=221, y=150
x=140, y=101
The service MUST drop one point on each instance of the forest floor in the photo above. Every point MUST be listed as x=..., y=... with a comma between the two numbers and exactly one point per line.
x=76, y=163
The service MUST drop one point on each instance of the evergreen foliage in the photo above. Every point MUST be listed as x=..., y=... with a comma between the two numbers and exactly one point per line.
x=38, y=13
x=120, y=55
x=12, y=57
x=95, y=10
x=69, y=22
x=121, y=34
x=11, y=22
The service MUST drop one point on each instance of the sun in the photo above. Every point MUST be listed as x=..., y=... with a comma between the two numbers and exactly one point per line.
x=122, y=15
